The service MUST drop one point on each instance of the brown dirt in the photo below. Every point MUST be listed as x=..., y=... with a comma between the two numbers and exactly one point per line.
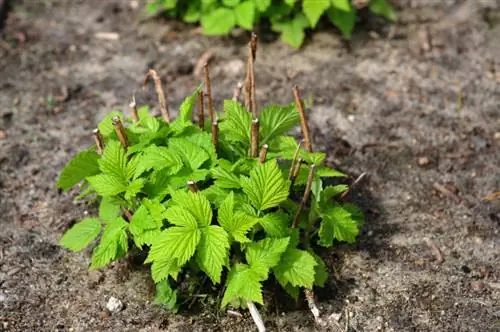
x=417, y=106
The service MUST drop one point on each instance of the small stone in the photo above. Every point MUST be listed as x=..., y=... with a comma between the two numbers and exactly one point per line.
x=423, y=161
x=114, y=305
x=497, y=135
x=477, y=286
x=2, y=135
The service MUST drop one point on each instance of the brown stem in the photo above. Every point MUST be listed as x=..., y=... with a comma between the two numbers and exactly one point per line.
x=159, y=92
x=250, y=78
x=209, y=93
x=294, y=161
x=133, y=106
x=263, y=153
x=254, y=138
x=303, y=119
x=99, y=141
x=120, y=131
x=127, y=214
x=237, y=91
x=305, y=198
x=215, y=133
x=201, y=110
x=192, y=186
x=295, y=171
x=343, y=197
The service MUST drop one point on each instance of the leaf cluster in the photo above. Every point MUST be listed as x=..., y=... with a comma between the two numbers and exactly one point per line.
x=290, y=18
x=234, y=224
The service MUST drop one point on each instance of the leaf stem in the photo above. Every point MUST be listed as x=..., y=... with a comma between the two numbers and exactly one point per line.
x=305, y=198
x=159, y=92
x=303, y=119
x=120, y=131
x=201, y=110
x=208, y=85
x=344, y=195
x=263, y=154
x=254, y=138
x=99, y=140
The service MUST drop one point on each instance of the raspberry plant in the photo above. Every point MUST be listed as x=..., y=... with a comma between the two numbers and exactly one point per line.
x=234, y=199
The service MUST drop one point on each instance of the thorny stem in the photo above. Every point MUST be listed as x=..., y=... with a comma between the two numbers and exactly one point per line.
x=254, y=138
x=209, y=93
x=303, y=119
x=343, y=197
x=237, y=91
x=305, y=198
x=201, y=110
x=120, y=132
x=133, y=106
x=250, y=78
x=159, y=92
x=215, y=133
x=192, y=186
x=99, y=140
x=263, y=153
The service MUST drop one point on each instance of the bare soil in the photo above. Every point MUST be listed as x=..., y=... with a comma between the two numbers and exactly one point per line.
x=416, y=105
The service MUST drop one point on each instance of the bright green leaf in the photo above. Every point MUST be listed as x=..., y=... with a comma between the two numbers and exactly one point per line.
x=109, y=209
x=237, y=122
x=166, y=296
x=243, y=285
x=107, y=185
x=342, y=5
x=262, y=5
x=196, y=203
x=212, y=251
x=218, y=22
x=343, y=20
x=296, y=267
x=175, y=242
x=81, y=234
x=114, y=243
x=277, y=120
x=106, y=125
x=192, y=154
x=383, y=8
x=314, y=9
x=265, y=254
x=245, y=14
x=84, y=164
x=158, y=158
x=113, y=161
x=275, y=224
x=163, y=268
x=337, y=224
x=225, y=178
x=180, y=216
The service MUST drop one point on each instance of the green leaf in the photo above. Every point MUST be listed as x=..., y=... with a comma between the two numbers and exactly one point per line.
x=383, y=8
x=175, y=242
x=109, y=209
x=134, y=188
x=204, y=140
x=215, y=194
x=343, y=20
x=161, y=269
x=277, y=120
x=342, y=5
x=275, y=224
x=180, y=216
x=142, y=227
x=114, y=242
x=106, y=125
x=191, y=154
x=158, y=158
x=262, y=5
x=225, y=178
x=218, y=22
x=212, y=251
x=84, y=164
x=266, y=187
x=265, y=254
x=320, y=271
x=292, y=32
x=238, y=223
x=114, y=161
x=236, y=123
x=81, y=234
x=156, y=211
x=328, y=172
x=296, y=267
x=196, y=203
x=314, y=9
x=192, y=14
x=107, y=185
x=245, y=14
x=230, y=3
x=243, y=285
x=166, y=296
x=332, y=191
x=337, y=224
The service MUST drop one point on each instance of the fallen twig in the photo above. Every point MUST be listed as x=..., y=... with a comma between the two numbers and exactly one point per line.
x=159, y=92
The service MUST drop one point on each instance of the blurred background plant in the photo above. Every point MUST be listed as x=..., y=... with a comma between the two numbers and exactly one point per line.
x=289, y=18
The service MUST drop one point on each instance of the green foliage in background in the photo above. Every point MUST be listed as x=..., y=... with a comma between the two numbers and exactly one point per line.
x=290, y=18
x=235, y=231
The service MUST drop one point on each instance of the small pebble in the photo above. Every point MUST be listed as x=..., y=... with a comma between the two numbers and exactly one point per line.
x=423, y=161
x=114, y=305
x=477, y=286
x=497, y=135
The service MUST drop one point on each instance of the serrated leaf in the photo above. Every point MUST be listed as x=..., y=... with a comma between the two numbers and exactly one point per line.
x=163, y=268
x=328, y=172
x=332, y=191
x=275, y=224
x=158, y=158
x=109, y=209
x=243, y=285
x=337, y=224
x=236, y=123
x=204, y=140
x=230, y=3
x=141, y=226
x=265, y=187
x=114, y=242
x=212, y=251
x=238, y=223
x=265, y=254
x=106, y=125
x=191, y=154
x=296, y=267
x=245, y=14
x=262, y=5
x=218, y=22
x=134, y=188
x=113, y=161
x=184, y=120
x=180, y=216
x=314, y=9
x=156, y=211
x=166, y=296
x=292, y=32
x=342, y=5
x=225, y=178
x=196, y=203
x=81, y=234
x=320, y=270
x=343, y=20
x=215, y=194
x=175, y=242
x=383, y=8
x=107, y=185
x=277, y=120
x=84, y=164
